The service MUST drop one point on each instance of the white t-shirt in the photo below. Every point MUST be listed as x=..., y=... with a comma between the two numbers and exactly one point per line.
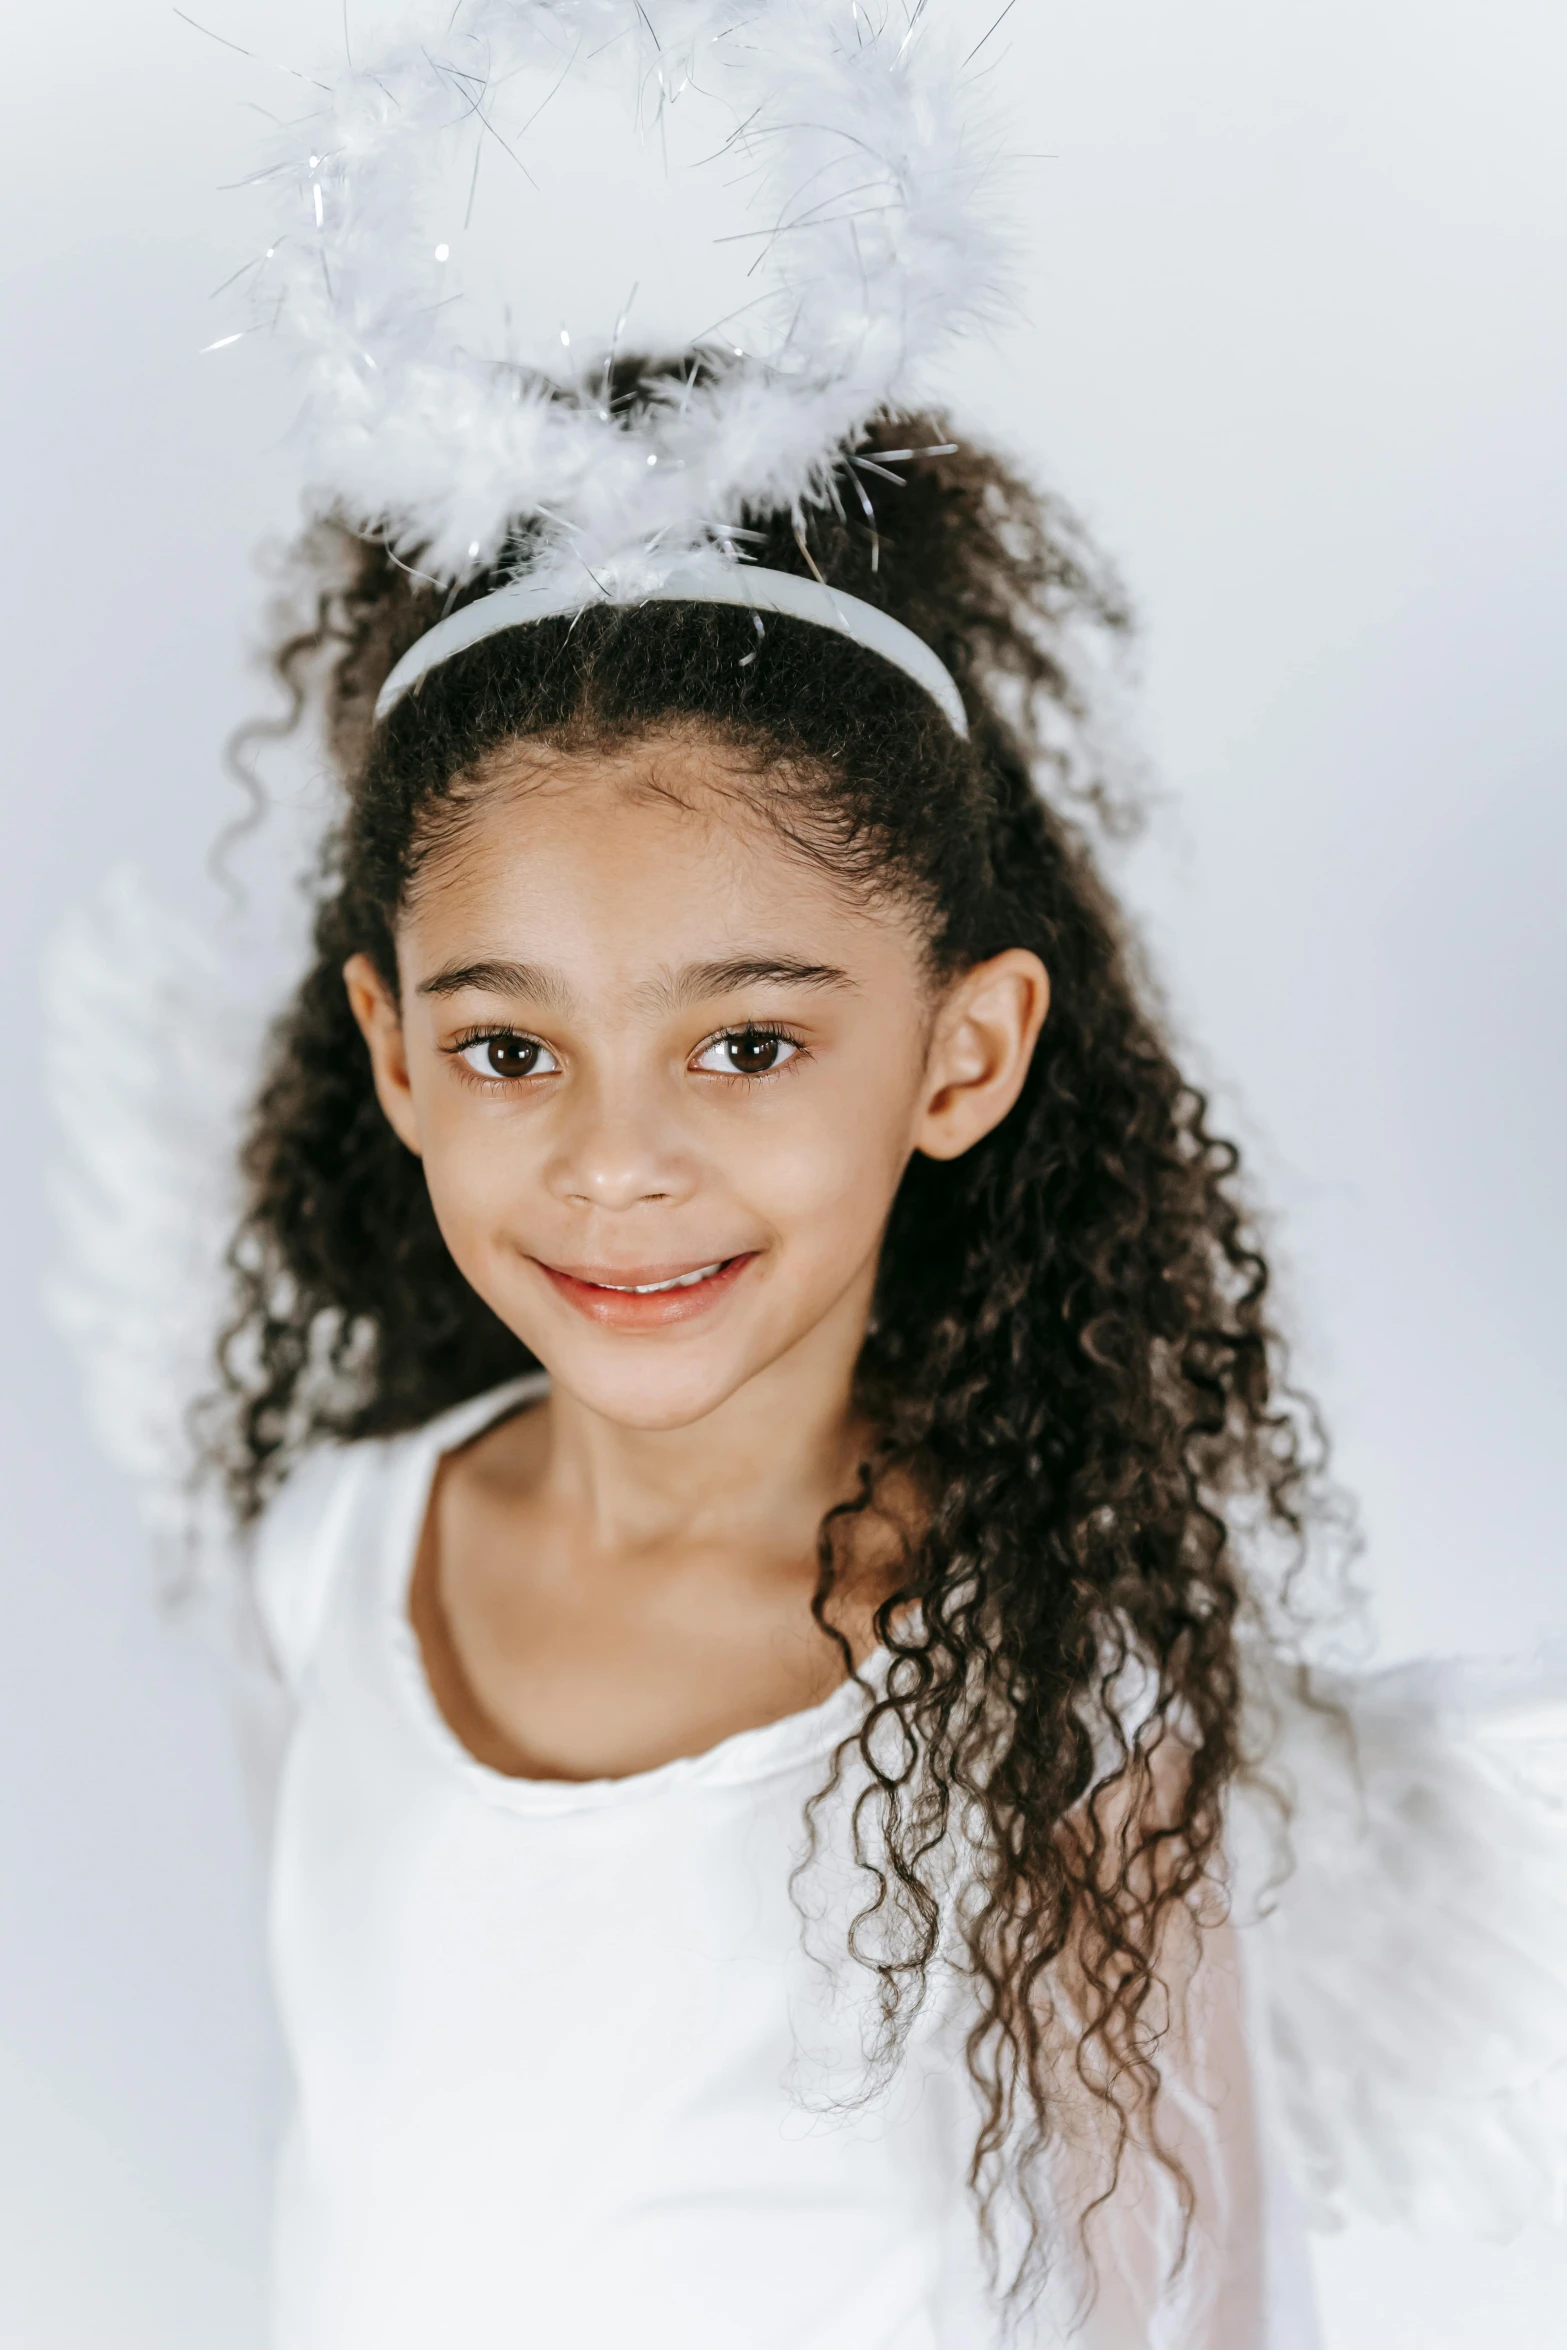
x=569, y=2074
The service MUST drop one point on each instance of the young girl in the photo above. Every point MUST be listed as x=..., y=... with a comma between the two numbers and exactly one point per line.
x=773, y=1493
x=766, y=1642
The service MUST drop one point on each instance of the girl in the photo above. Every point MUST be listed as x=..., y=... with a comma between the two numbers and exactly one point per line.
x=767, y=1633
x=771, y=1483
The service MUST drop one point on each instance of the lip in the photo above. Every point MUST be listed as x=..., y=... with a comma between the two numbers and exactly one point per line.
x=586, y=1289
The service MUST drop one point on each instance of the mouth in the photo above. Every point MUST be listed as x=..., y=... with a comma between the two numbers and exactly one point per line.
x=649, y=1297
x=657, y=1288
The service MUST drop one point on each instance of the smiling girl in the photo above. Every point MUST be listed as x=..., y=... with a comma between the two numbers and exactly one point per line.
x=761, y=1357
x=768, y=1491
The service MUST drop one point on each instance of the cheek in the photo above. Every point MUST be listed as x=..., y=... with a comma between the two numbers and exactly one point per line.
x=823, y=1168
x=478, y=1165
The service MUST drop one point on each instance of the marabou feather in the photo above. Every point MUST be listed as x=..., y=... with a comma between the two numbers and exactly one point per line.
x=857, y=129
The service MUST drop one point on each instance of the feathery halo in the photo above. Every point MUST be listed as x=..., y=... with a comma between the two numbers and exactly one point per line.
x=858, y=126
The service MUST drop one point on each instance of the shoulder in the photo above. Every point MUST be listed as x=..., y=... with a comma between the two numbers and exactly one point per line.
x=346, y=1501
x=307, y=1530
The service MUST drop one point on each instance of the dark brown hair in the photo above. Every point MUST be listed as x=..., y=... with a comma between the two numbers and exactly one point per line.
x=1070, y=1354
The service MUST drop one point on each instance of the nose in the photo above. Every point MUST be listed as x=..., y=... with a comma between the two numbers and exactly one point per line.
x=618, y=1148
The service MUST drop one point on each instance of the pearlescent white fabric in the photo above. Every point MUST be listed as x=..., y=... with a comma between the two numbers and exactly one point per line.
x=567, y=2074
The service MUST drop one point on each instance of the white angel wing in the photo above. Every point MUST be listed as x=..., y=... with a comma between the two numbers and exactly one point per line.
x=1412, y=1963
x=150, y=1059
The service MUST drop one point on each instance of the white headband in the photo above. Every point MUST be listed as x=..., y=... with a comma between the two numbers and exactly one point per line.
x=713, y=581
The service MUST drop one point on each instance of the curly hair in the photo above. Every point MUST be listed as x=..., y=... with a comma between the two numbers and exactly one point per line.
x=1070, y=1356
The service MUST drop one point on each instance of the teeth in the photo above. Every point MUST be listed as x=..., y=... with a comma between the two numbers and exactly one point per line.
x=680, y=1281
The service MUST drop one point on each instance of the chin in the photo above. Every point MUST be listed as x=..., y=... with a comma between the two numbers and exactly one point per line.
x=650, y=1388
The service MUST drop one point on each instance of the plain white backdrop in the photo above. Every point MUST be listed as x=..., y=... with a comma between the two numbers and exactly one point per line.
x=1293, y=338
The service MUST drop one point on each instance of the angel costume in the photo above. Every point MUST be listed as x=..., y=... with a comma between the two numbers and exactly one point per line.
x=573, y=2066
x=567, y=2069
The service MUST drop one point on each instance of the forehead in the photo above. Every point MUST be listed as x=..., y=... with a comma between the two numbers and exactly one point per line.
x=651, y=852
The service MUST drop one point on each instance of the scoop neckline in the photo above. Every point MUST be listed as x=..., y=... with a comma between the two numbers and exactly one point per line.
x=762, y=1752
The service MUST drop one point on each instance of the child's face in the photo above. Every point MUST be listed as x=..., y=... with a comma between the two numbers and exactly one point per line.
x=640, y=1042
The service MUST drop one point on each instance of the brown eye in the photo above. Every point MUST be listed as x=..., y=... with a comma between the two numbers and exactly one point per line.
x=750, y=1052
x=508, y=1056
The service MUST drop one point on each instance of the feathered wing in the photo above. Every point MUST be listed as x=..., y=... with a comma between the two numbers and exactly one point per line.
x=1411, y=1953
x=151, y=1055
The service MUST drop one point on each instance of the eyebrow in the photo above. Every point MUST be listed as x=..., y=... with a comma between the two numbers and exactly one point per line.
x=535, y=981
x=700, y=980
x=693, y=984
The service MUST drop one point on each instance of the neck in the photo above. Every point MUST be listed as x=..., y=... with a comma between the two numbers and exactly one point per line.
x=761, y=1467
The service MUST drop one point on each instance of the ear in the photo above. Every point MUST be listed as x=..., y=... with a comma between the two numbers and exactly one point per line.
x=984, y=1041
x=380, y=1024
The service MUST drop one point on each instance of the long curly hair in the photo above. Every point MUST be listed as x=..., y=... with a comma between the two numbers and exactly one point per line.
x=1070, y=1356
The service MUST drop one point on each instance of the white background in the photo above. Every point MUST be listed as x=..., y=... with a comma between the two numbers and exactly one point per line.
x=1293, y=338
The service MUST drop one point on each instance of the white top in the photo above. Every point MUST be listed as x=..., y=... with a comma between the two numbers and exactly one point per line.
x=566, y=2075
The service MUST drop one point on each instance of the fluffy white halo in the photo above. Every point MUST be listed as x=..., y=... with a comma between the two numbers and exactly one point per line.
x=857, y=126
